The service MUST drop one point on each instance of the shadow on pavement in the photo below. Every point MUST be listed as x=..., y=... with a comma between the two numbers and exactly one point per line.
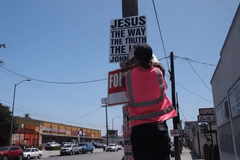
x=195, y=156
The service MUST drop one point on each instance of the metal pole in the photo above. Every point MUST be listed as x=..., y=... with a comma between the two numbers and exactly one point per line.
x=180, y=124
x=106, y=124
x=210, y=125
x=13, y=107
x=112, y=128
x=12, y=114
x=175, y=119
x=112, y=123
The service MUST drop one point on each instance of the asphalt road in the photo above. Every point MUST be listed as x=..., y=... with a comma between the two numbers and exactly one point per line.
x=90, y=156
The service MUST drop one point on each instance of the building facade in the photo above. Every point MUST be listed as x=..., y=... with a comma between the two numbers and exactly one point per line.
x=195, y=140
x=226, y=93
x=36, y=132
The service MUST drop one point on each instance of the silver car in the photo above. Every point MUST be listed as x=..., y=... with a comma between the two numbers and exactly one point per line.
x=52, y=144
x=69, y=149
x=32, y=153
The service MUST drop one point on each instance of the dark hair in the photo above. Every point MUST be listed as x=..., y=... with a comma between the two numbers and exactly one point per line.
x=143, y=53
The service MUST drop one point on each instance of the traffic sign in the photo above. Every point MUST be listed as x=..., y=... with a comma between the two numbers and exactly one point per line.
x=104, y=100
x=175, y=132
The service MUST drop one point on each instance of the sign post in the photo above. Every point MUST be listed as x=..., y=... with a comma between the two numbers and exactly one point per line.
x=207, y=115
x=127, y=133
x=104, y=102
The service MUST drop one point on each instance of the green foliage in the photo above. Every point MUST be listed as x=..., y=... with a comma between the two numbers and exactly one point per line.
x=53, y=148
x=5, y=125
x=39, y=147
x=23, y=146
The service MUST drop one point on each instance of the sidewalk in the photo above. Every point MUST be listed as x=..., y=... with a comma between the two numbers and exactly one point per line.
x=55, y=153
x=188, y=155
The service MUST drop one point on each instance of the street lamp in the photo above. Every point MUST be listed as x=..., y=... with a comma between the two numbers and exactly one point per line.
x=113, y=121
x=13, y=108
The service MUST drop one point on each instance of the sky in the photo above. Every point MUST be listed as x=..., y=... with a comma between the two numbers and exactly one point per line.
x=68, y=41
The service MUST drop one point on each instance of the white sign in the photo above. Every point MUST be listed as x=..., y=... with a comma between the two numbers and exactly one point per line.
x=234, y=99
x=222, y=113
x=104, y=100
x=206, y=111
x=124, y=34
x=175, y=132
x=206, y=118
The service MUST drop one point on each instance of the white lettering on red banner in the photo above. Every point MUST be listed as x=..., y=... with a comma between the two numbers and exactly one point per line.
x=116, y=93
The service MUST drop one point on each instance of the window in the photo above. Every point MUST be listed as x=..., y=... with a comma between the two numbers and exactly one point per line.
x=4, y=149
x=14, y=148
x=36, y=150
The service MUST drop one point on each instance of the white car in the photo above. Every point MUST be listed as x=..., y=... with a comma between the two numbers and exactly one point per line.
x=52, y=144
x=32, y=153
x=119, y=147
x=112, y=147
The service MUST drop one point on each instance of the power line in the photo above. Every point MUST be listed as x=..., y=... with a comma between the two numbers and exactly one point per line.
x=182, y=114
x=188, y=59
x=42, y=114
x=33, y=79
x=194, y=93
x=50, y=92
x=198, y=76
x=160, y=32
x=107, y=78
x=163, y=58
x=85, y=115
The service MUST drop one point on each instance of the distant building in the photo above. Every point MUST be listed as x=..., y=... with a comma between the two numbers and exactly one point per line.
x=194, y=139
x=35, y=132
x=226, y=93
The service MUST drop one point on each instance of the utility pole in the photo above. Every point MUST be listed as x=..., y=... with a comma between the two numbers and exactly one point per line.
x=106, y=123
x=180, y=125
x=129, y=8
x=2, y=45
x=175, y=119
x=105, y=104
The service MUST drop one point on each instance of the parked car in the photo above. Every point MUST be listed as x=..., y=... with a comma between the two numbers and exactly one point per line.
x=52, y=144
x=102, y=145
x=63, y=143
x=86, y=147
x=9, y=152
x=69, y=149
x=32, y=153
x=112, y=147
x=99, y=145
x=119, y=147
x=96, y=145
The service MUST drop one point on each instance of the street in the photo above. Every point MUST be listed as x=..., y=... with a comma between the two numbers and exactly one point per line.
x=90, y=156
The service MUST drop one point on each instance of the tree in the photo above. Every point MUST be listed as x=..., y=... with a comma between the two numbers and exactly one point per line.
x=5, y=125
x=27, y=115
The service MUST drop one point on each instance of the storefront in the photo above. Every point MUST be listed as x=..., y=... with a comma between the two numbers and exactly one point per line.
x=36, y=132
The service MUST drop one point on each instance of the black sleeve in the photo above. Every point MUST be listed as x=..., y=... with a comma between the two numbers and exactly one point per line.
x=123, y=80
x=160, y=66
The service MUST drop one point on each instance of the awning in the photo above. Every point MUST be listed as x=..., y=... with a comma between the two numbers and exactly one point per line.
x=57, y=135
